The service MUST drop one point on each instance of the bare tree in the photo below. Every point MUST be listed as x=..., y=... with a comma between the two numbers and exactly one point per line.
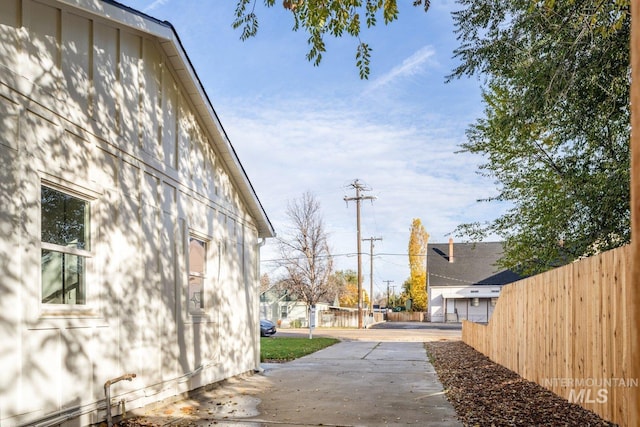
x=265, y=283
x=305, y=253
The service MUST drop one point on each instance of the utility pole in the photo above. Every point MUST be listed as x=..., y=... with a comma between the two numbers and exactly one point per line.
x=371, y=240
x=388, y=294
x=393, y=292
x=359, y=187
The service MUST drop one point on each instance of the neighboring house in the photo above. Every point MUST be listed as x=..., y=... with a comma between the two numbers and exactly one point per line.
x=278, y=305
x=285, y=310
x=129, y=232
x=463, y=280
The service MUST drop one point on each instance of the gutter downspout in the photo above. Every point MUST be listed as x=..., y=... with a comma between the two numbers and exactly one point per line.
x=107, y=393
x=256, y=356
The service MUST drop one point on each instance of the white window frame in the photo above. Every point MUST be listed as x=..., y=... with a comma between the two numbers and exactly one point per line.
x=88, y=309
x=204, y=277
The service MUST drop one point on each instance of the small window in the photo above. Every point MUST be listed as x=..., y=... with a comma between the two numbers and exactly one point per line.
x=65, y=247
x=197, y=275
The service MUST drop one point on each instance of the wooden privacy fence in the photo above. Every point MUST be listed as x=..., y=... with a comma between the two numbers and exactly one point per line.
x=568, y=330
x=406, y=316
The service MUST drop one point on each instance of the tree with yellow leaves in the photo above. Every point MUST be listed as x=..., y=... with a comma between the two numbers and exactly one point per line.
x=416, y=285
x=348, y=289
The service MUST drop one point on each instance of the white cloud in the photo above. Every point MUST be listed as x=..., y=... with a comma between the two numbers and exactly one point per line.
x=291, y=147
x=153, y=5
x=413, y=65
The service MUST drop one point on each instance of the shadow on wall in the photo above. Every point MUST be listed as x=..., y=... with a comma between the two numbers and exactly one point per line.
x=135, y=318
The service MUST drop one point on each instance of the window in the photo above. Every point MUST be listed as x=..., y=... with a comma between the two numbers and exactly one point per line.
x=197, y=274
x=65, y=245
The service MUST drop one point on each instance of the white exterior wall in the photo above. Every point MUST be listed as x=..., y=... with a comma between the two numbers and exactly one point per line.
x=96, y=108
x=458, y=301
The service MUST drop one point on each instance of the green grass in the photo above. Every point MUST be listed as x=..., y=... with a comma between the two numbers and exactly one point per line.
x=277, y=349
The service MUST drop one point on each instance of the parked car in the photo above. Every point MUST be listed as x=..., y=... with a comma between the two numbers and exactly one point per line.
x=267, y=328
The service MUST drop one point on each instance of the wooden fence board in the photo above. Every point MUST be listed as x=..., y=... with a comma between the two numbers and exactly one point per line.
x=568, y=329
x=632, y=292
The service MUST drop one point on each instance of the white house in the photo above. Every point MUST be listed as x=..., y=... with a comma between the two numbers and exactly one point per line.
x=129, y=231
x=286, y=310
x=464, y=281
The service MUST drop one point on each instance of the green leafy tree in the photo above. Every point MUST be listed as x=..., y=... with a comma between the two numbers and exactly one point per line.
x=415, y=286
x=405, y=294
x=328, y=17
x=395, y=300
x=555, y=131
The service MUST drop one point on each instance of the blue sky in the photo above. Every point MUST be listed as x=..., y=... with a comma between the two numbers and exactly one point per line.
x=299, y=128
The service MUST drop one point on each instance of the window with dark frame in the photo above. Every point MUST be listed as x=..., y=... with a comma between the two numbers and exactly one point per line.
x=65, y=247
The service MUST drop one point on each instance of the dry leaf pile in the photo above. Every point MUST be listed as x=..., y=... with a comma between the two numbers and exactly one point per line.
x=484, y=393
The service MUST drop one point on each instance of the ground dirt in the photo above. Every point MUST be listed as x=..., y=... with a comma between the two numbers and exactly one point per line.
x=484, y=393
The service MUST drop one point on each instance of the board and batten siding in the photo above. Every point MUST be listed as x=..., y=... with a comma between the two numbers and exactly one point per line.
x=98, y=109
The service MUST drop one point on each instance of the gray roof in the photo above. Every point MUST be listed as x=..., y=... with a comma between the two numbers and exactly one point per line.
x=473, y=264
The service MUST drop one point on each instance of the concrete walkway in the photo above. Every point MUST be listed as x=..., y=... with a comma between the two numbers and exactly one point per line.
x=352, y=383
